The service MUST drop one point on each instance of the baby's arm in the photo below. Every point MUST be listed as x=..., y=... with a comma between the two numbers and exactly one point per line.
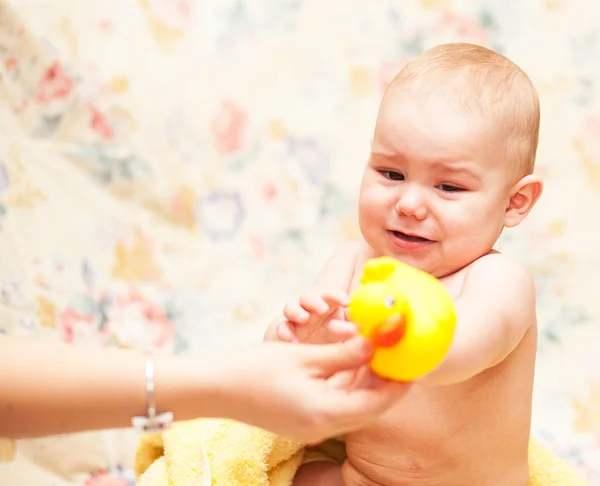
x=331, y=286
x=494, y=310
x=338, y=272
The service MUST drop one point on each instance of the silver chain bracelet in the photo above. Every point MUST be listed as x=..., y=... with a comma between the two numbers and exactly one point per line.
x=152, y=422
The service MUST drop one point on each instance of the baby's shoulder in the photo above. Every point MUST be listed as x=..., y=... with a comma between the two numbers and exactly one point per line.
x=498, y=266
x=506, y=277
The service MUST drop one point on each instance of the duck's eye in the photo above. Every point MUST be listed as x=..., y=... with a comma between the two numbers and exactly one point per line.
x=389, y=301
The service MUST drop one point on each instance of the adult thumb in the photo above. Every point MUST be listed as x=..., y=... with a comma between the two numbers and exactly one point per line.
x=332, y=358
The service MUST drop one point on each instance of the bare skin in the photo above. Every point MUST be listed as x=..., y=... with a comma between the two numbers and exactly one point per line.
x=474, y=431
x=442, y=182
x=49, y=389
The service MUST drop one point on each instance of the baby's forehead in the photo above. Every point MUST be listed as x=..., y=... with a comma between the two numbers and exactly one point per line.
x=455, y=94
x=433, y=118
x=448, y=142
x=460, y=87
x=446, y=114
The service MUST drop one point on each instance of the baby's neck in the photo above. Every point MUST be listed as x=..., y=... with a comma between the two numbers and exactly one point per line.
x=367, y=253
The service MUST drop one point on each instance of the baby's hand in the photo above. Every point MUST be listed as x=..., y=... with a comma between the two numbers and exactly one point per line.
x=316, y=318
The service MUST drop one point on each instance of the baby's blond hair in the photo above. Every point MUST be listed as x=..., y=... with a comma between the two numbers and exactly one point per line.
x=482, y=81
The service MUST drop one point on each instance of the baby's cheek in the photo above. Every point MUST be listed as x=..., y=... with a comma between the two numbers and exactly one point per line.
x=474, y=231
x=365, y=212
x=373, y=204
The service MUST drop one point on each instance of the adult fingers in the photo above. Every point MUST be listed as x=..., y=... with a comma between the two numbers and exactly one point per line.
x=332, y=358
x=366, y=403
x=341, y=329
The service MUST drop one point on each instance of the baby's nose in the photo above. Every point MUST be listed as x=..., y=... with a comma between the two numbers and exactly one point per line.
x=411, y=203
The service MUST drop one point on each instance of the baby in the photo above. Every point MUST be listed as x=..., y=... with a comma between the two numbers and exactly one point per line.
x=451, y=166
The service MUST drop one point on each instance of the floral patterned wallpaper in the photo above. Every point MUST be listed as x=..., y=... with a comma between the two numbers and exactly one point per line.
x=172, y=171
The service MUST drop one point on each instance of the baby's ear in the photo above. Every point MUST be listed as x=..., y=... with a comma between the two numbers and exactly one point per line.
x=523, y=197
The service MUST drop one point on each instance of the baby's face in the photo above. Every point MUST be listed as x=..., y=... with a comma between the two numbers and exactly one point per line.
x=435, y=189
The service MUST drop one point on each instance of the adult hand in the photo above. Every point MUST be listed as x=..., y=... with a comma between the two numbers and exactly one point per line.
x=292, y=389
x=297, y=390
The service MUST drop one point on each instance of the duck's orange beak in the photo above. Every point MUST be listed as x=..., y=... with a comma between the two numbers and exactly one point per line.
x=390, y=332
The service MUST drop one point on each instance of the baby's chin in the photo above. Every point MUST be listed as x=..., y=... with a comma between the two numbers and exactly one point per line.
x=433, y=262
x=437, y=267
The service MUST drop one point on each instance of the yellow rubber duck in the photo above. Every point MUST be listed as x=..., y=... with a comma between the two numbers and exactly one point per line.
x=407, y=313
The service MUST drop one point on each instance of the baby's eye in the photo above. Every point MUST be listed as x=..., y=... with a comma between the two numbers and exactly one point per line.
x=450, y=188
x=392, y=175
x=389, y=301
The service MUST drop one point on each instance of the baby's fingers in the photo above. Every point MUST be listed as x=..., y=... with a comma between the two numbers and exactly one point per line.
x=286, y=331
x=336, y=298
x=294, y=312
x=342, y=379
x=314, y=304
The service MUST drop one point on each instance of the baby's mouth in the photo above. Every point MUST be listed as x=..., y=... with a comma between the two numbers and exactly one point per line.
x=405, y=237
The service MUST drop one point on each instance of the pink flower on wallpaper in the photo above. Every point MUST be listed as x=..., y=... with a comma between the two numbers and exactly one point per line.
x=281, y=200
x=228, y=128
x=174, y=14
x=78, y=327
x=461, y=28
x=99, y=123
x=127, y=320
x=106, y=479
x=55, y=84
x=270, y=191
x=137, y=322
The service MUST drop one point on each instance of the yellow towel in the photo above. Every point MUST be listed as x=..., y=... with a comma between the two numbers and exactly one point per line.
x=545, y=469
x=209, y=452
